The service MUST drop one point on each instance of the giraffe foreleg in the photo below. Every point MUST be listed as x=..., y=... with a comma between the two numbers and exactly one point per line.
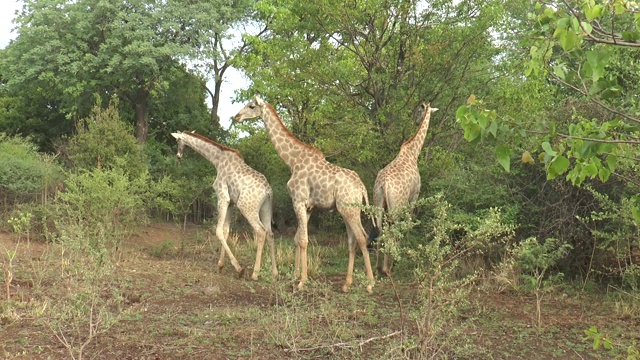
x=302, y=240
x=223, y=219
x=225, y=229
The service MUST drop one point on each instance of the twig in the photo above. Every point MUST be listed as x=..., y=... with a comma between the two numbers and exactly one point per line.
x=395, y=291
x=348, y=344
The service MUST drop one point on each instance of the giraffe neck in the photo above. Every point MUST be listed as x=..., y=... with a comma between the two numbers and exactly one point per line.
x=210, y=150
x=288, y=147
x=412, y=147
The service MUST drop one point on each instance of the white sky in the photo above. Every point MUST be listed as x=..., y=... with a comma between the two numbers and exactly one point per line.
x=234, y=79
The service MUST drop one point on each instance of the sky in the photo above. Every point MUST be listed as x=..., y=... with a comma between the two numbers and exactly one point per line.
x=234, y=79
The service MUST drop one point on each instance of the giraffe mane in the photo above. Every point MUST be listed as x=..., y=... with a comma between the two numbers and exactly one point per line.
x=207, y=140
x=290, y=134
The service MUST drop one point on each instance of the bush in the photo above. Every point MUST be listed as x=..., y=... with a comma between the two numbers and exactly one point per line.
x=616, y=241
x=438, y=263
x=99, y=208
x=25, y=175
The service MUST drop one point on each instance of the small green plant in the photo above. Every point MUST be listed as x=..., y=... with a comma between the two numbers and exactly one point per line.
x=167, y=247
x=21, y=224
x=598, y=339
x=7, y=267
x=535, y=260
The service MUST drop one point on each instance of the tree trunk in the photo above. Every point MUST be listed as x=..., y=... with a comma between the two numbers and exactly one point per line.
x=142, y=123
x=142, y=115
x=215, y=102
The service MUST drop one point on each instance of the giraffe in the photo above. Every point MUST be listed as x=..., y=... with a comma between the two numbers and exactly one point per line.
x=398, y=184
x=236, y=183
x=315, y=183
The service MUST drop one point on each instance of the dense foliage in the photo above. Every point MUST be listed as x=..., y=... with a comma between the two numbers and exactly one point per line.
x=546, y=92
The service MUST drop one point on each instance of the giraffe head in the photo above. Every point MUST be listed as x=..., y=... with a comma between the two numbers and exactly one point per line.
x=250, y=111
x=425, y=108
x=180, y=138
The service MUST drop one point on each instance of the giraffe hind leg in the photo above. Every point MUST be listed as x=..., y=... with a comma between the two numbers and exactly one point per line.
x=266, y=213
x=356, y=231
x=252, y=216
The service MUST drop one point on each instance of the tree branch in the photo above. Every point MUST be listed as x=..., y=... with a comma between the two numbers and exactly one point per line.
x=593, y=38
x=583, y=92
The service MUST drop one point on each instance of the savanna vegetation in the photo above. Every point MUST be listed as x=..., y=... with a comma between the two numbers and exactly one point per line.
x=525, y=242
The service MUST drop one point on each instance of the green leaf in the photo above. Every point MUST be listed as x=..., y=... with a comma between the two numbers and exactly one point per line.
x=635, y=212
x=472, y=131
x=559, y=70
x=593, y=12
x=598, y=86
x=603, y=174
x=590, y=170
x=557, y=166
x=547, y=148
x=461, y=112
x=611, y=162
x=493, y=128
x=631, y=36
x=563, y=24
x=504, y=157
x=568, y=40
x=483, y=121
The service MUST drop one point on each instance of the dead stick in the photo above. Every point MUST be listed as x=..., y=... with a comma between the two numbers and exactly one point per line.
x=348, y=344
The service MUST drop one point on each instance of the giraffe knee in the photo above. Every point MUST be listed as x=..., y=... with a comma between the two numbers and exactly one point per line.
x=220, y=233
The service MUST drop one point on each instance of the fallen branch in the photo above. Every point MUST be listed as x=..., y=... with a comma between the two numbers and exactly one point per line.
x=348, y=344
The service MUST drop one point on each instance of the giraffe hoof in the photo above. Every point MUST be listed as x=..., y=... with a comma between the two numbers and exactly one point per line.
x=345, y=288
x=241, y=273
x=370, y=289
x=254, y=276
x=301, y=286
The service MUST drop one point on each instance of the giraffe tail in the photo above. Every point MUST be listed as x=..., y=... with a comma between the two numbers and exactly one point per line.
x=371, y=238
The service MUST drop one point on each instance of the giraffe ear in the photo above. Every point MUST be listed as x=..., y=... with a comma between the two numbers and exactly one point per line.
x=434, y=110
x=259, y=100
x=176, y=135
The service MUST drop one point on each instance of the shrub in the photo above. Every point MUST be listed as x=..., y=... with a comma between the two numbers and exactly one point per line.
x=25, y=175
x=439, y=260
x=616, y=241
x=99, y=208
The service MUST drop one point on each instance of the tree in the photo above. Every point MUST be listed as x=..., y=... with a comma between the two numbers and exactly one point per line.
x=79, y=48
x=588, y=51
x=349, y=75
